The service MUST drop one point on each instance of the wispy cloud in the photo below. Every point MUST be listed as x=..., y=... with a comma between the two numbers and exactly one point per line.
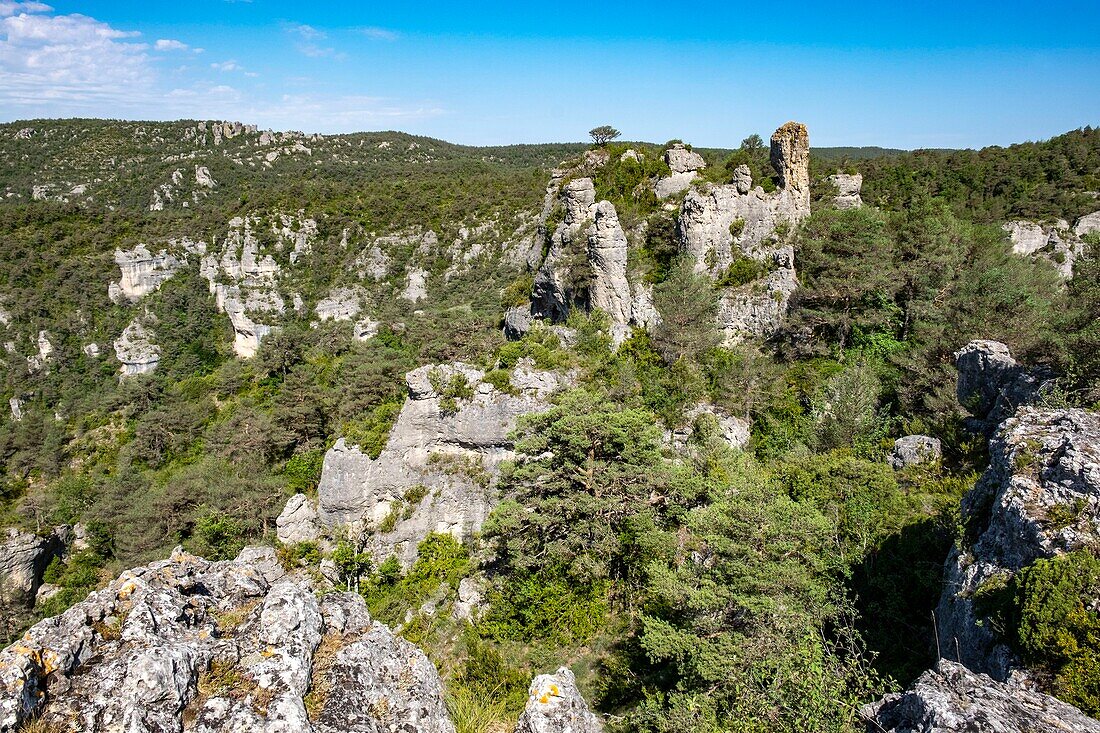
x=307, y=32
x=170, y=44
x=230, y=65
x=9, y=8
x=379, y=34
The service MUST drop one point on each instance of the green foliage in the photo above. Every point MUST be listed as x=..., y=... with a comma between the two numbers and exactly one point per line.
x=688, y=311
x=218, y=537
x=441, y=561
x=303, y=471
x=1059, y=626
x=545, y=605
x=743, y=270
x=373, y=430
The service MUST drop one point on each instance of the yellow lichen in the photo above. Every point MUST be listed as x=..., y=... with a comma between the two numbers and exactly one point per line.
x=554, y=691
x=544, y=699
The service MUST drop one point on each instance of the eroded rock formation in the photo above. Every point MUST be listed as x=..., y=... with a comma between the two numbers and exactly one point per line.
x=218, y=646
x=1052, y=242
x=848, y=187
x=135, y=350
x=685, y=166
x=992, y=384
x=951, y=699
x=436, y=471
x=913, y=450
x=24, y=557
x=1043, y=463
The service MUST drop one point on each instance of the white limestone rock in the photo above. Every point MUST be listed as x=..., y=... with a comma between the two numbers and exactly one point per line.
x=298, y=521
x=135, y=350
x=454, y=450
x=44, y=355
x=848, y=187
x=555, y=705
x=416, y=286
x=142, y=272
x=684, y=165
x=1054, y=243
x=175, y=620
x=914, y=450
x=342, y=304
x=951, y=699
x=1087, y=224
x=203, y=177
x=1042, y=462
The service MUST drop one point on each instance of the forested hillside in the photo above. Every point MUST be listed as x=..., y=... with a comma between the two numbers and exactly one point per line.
x=695, y=499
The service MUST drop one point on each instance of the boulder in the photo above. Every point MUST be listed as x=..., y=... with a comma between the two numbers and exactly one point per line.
x=913, y=450
x=848, y=187
x=217, y=646
x=733, y=430
x=951, y=699
x=437, y=469
x=341, y=304
x=992, y=384
x=555, y=705
x=298, y=521
x=517, y=322
x=1043, y=463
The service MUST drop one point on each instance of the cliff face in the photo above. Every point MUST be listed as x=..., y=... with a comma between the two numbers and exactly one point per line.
x=452, y=445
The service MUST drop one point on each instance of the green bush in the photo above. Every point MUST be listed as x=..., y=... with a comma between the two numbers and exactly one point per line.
x=1059, y=625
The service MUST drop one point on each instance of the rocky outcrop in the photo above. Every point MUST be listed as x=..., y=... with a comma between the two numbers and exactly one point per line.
x=1087, y=224
x=1054, y=243
x=914, y=450
x=848, y=187
x=45, y=352
x=437, y=469
x=555, y=705
x=952, y=699
x=992, y=384
x=721, y=225
x=735, y=431
x=416, y=286
x=685, y=165
x=1039, y=497
x=218, y=646
x=244, y=276
x=342, y=304
x=24, y=558
x=298, y=522
x=142, y=272
x=135, y=350
x=607, y=251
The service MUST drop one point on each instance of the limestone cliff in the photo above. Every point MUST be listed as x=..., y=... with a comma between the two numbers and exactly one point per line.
x=436, y=471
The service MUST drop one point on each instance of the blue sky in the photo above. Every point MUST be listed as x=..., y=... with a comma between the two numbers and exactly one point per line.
x=913, y=74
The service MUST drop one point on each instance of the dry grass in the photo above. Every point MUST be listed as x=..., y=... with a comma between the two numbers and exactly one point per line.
x=319, y=683
x=474, y=713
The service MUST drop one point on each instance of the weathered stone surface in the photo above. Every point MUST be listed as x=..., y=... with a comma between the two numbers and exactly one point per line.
x=1042, y=463
x=742, y=179
x=552, y=295
x=224, y=646
x=44, y=355
x=342, y=304
x=1054, y=243
x=721, y=224
x=135, y=350
x=468, y=606
x=848, y=187
x=1087, y=224
x=517, y=322
x=555, y=705
x=684, y=165
x=298, y=521
x=992, y=384
x=790, y=154
x=24, y=557
x=436, y=472
x=244, y=277
x=952, y=699
x=733, y=430
x=142, y=272
x=607, y=250
x=416, y=286
x=912, y=450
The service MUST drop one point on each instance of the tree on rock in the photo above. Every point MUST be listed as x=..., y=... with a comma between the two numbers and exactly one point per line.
x=603, y=134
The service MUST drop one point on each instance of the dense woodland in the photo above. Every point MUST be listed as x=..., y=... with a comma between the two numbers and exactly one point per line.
x=771, y=589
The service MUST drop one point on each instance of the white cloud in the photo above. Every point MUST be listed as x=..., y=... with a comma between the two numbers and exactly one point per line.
x=230, y=65
x=307, y=32
x=69, y=62
x=10, y=7
x=170, y=44
x=379, y=34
